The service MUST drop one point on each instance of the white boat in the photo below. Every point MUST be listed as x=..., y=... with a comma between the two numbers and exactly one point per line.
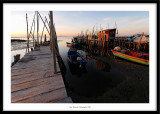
x=145, y=38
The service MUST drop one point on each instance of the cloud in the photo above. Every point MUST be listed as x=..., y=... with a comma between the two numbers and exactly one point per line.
x=127, y=25
x=142, y=21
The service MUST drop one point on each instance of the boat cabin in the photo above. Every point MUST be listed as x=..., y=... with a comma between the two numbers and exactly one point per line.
x=108, y=34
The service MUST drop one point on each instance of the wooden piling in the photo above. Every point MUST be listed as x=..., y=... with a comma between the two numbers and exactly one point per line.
x=33, y=34
x=27, y=33
x=53, y=42
x=37, y=29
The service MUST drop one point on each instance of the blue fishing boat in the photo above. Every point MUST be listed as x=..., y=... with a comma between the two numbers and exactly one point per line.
x=68, y=43
x=76, y=58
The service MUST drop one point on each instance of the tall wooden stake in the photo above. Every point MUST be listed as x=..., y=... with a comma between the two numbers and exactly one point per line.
x=33, y=32
x=27, y=33
x=139, y=42
x=53, y=42
x=37, y=29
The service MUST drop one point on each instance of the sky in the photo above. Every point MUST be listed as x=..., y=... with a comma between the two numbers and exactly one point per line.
x=70, y=23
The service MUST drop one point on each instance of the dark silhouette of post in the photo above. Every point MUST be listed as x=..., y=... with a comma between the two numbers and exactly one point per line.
x=37, y=29
x=45, y=40
x=33, y=34
x=27, y=33
x=53, y=42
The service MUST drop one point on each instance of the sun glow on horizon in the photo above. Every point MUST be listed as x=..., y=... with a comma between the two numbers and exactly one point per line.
x=72, y=23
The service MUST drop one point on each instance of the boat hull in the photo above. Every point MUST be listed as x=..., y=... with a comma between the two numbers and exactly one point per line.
x=76, y=62
x=72, y=57
x=131, y=58
x=68, y=43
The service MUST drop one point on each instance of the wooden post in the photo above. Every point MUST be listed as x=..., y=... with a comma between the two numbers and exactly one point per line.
x=139, y=43
x=144, y=47
x=37, y=29
x=27, y=33
x=16, y=58
x=53, y=42
x=122, y=43
x=45, y=40
x=33, y=32
x=129, y=45
x=56, y=43
x=43, y=31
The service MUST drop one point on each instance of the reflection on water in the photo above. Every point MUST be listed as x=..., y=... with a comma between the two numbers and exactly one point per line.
x=75, y=70
x=103, y=66
x=93, y=79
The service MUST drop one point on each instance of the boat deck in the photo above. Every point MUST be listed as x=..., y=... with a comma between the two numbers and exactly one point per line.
x=33, y=80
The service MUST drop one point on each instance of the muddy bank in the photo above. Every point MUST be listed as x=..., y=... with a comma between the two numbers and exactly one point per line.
x=134, y=89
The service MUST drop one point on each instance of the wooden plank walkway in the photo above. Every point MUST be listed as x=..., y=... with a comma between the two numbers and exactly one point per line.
x=33, y=80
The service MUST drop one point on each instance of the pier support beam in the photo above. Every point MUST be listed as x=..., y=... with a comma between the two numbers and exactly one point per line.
x=53, y=42
x=27, y=34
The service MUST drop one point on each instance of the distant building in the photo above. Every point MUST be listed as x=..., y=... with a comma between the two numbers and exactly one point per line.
x=107, y=34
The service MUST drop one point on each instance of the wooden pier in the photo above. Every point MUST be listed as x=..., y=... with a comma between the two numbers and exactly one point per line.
x=104, y=46
x=33, y=79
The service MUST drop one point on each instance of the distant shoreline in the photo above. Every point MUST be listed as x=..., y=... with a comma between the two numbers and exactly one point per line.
x=18, y=40
x=35, y=37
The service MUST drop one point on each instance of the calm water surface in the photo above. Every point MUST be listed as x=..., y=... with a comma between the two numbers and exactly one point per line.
x=94, y=79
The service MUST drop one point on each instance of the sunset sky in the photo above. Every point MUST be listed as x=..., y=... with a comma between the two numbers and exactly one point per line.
x=70, y=23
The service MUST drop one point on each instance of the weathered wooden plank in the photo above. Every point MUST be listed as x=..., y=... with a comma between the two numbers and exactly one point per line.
x=33, y=71
x=28, y=84
x=24, y=66
x=31, y=65
x=35, y=77
x=33, y=80
x=30, y=92
x=28, y=65
x=49, y=97
x=26, y=75
x=28, y=71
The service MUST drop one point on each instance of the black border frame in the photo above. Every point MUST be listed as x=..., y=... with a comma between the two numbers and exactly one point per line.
x=91, y=1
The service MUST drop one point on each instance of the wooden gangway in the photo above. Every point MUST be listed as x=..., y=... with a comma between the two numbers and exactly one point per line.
x=33, y=80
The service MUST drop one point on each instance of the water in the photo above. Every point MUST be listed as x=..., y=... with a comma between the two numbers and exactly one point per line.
x=99, y=81
x=20, y=47
x=93, y=80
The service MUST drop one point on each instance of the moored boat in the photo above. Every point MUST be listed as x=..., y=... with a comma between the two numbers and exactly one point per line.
x=75, y=58
x=138, y=57
x=68, y=43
